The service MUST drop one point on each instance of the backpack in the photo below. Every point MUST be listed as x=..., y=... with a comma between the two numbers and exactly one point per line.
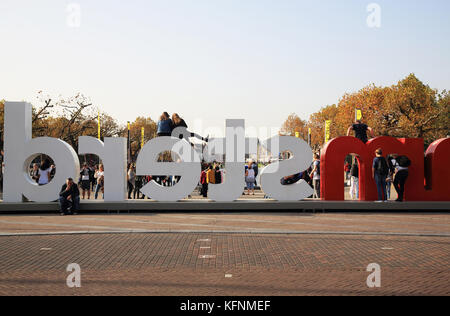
x=404, y=161
x=382, y=166
x=250, y=176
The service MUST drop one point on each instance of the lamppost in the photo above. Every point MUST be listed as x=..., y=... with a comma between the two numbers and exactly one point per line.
x=129, y=141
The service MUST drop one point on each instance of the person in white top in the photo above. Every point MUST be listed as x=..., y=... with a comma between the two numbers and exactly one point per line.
x=100, y=176
x=44, y=173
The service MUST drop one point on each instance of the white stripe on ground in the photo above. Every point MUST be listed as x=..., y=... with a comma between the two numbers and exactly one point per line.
x=233, y=227
x=68, y=225
x=307, y=218
x=281, y=232
x=166, y=223
x=215, y=227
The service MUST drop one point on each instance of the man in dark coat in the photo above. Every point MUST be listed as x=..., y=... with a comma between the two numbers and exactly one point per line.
x=69, y=198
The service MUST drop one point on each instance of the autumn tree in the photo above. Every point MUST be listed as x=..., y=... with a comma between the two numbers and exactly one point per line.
x=413, y=109
x=293, y=125
x=409, y=109
x=150, y=128
x=317, y=125
x=370, y=101
x=109, y=127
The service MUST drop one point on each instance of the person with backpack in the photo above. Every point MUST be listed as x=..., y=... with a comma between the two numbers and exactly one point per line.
x=250, y=178
x=392, y=162
x=401, y=175
x=218, y=175
x=315, y=175
x=380, y=172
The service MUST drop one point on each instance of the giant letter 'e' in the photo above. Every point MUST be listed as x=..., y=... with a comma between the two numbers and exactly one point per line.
x=189, y=168
x=113, y=153
x=21, y=150
x=272, y=174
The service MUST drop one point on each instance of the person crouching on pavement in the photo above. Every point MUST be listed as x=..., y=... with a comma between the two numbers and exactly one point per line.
x=69, y=198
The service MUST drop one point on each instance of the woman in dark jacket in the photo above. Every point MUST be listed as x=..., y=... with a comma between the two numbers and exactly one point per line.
x=178, y=122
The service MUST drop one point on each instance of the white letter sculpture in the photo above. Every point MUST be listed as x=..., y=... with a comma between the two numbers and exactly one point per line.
x=189, y=168
x=272, y=174
x=113, y=153
x=234, y=181
x=21, y=150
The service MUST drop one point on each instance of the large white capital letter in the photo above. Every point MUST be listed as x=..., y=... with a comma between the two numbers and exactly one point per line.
x=234, y=181
x=272, y=174
x=113, y=153
x=21, y=150
x=188, y=168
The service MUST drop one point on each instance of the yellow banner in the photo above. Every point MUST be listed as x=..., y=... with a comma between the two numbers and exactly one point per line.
x=143, y=137
x=358, y=114
x=327, y=131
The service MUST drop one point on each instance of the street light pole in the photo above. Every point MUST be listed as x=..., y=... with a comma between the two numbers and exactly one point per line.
x=129, y=141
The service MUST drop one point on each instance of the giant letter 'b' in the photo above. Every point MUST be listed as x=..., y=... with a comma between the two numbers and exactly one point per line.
x=21, y=150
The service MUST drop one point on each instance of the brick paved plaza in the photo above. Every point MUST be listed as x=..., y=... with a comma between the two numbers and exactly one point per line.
x=226, y=254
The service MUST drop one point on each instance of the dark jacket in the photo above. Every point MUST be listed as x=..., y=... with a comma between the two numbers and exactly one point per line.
x=165, y=127
x=355, y=170
x=74, y=191
x=182, y=123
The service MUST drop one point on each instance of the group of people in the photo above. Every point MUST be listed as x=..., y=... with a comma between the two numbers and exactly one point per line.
x=385, y=171
x=214, y=174
x=92, y=179
x=44, y=173
x=311, y=176
x=167, y=125
x=211, y=174
x=389, y=171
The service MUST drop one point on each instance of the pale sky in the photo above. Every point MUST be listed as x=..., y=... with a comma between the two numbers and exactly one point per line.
x=210, y=60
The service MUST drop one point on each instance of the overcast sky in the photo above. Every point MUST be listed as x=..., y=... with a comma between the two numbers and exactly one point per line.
x=210, y=60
